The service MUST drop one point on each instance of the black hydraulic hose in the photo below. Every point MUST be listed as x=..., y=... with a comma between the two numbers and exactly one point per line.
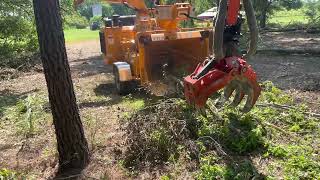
x=252, y=23
x=219, y=30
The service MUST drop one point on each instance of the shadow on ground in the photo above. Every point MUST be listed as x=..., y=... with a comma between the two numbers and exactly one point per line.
x=107, y=90
x=90, y=66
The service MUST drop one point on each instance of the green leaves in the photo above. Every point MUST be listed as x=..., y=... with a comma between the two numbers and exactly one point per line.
x=291, y=4
x=10, y=175
x=243, y=170
x=27, y=114
x=17, y=32
x=270, y=129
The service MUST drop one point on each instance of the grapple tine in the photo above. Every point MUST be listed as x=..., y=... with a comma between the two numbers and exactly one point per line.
x=202, y=111
x=233, y=74
x=238, y=97
x=229, y=90
x=253, y=91
x=248, y=106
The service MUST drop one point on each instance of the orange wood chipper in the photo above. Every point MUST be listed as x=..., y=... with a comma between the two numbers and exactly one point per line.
x=141, y=46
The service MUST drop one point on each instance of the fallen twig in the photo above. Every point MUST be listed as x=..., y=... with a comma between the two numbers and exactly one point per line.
x=217, y=146
x=277, y=128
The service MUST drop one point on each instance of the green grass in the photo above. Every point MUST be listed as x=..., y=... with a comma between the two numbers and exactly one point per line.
x=78, y=35
x=135, y=104
x=291, y=150
x=266, y=143
x=285, y=17
x=25, y=114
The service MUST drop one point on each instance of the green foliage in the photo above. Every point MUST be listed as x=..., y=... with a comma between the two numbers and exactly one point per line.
x=278, y=151
x=265, y=8
x=291, y=4
x=26, y=114
x=96, y=19
x=107, y=10
x=245, y=138
x=160, y=139
x=17, y=32
x=66, y=8
x=85, y=9
x=294, y=18
x=246, y=133
x=240, y=134
x=122, y=10
x=272, y=94
x=301, y=163
x=71, y=17
x=165, y=178
x=212, y=170
x=7, y=174
x=229, y=143
x=203, y=5
x=313, y=13
x=75, y=21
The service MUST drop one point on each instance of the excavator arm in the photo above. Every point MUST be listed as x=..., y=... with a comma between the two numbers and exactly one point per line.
x=228, y=68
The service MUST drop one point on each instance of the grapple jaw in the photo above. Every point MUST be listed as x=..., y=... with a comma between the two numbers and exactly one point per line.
x=232, y=73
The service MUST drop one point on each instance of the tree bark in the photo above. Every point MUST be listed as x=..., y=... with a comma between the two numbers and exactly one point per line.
x=71, y=143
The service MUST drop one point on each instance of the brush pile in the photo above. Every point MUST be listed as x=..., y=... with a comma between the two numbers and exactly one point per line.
x=159, y=133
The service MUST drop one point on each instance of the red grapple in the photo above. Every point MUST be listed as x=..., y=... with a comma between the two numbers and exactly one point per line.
x=232, y=73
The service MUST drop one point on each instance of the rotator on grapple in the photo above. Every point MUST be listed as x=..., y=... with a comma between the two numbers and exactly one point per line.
x=228, y=67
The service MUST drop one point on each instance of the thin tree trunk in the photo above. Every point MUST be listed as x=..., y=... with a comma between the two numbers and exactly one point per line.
x=71, y=142
x=263, y=20
x=252, y=23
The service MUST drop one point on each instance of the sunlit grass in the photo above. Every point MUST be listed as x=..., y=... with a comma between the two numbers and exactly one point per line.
x=78, y=35
x=285, y=17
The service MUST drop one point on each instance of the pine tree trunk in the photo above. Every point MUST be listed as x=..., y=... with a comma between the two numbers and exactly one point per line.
x=71, y=143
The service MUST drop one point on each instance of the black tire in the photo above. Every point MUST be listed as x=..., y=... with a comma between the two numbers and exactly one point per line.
x=122, y=88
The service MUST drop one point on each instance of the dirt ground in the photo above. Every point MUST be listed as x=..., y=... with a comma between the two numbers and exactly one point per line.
x=297, y=74
x=294, y=40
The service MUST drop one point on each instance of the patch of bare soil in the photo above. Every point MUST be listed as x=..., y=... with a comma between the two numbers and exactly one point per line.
x=299, y=75
x=289, y=72
x=294, y=40
x=99, y=108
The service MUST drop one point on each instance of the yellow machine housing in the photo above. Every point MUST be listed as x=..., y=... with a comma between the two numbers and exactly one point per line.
x=152, y=40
